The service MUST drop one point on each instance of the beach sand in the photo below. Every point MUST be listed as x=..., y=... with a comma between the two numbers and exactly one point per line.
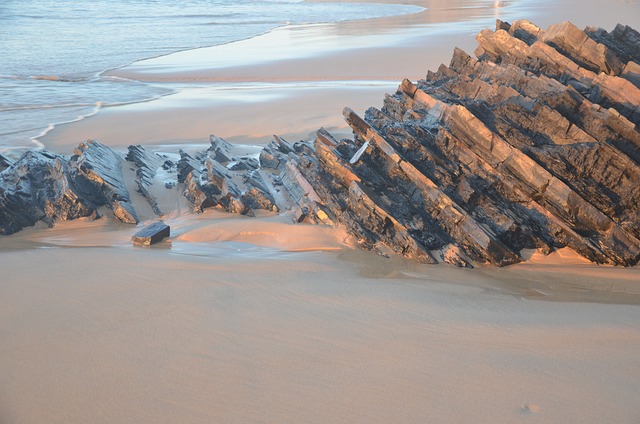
x=207, y=331
x=232, y=90
x=239, y=320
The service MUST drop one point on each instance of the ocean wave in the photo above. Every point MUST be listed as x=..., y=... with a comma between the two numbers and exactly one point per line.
x=97, y=107
x=256, y=22
x=52, y=78
x=50, y=106
x=64, y=85
x=57, y=78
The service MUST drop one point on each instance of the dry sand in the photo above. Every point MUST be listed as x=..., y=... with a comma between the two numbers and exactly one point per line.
x=239, y=320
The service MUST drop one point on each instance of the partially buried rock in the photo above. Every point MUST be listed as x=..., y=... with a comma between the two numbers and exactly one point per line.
x=152, y=234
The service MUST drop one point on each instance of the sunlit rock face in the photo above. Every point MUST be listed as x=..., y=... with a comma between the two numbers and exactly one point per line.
x=531, y=144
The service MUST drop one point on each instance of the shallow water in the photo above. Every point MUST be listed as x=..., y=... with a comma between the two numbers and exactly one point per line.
x=55, y=50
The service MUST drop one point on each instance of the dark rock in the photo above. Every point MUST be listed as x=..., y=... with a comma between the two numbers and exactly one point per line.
x=97, y=171
x=256, y=199
x=502, y=25
x=4, y=163
x=624, y=41
x=39, y=187
x=245, y=164
x=167, y=165
x=186, y=165
x=152, y=234
x=220, y=150
x=275, y=154
x=147, y=164
x=532, y=144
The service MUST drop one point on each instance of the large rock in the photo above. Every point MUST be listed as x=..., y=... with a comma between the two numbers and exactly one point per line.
x=97, y=171
x=532, y=144
x=570, y=66
x=39, y=187
x=581, y=49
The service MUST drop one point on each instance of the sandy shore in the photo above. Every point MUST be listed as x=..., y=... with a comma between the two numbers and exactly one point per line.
x=346, y=64
x=241, y=320
x=232, y=90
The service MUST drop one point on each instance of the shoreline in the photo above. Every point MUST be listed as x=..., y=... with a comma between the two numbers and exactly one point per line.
x=173, y=122
x=560, y=277
x=242, y=108
x=403, y=35
x=304, y=104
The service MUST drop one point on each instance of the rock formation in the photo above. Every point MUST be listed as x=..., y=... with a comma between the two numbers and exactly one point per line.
x=531, y=144
x=40, y=187
x=97, y=172
x=151, y=234
x=4, y=163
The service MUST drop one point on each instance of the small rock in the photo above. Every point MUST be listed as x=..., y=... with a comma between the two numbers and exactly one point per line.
x=152, y=234
x=453, y=255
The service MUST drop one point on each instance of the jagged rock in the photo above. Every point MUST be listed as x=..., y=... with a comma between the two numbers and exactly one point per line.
x=4, y=163
x=532, y=144
x=147, y=164
x=530, y=172
x=97, y=172
x=237, y=190
x=152, y=234
x=256, y=199
x=275, y=154
x=606, y=90
x=194, y=193
x=269, y=158
x=220, y=150
x=576, y=44
x=39, y=187
x=186, y=165
x=453, y=255
x=43, y=186
x=245, y=164
x=624, y=41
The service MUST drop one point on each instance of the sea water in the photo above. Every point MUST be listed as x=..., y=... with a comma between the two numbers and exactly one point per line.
x=53, y=52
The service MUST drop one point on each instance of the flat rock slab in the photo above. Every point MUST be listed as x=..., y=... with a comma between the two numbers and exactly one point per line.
x=152, y=234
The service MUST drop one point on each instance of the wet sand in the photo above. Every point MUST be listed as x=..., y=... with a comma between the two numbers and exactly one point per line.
x=307, y=73
x=210, y=331
x=232, y=90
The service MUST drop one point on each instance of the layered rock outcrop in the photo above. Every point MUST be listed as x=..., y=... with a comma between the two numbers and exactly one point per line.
x=533, y=143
